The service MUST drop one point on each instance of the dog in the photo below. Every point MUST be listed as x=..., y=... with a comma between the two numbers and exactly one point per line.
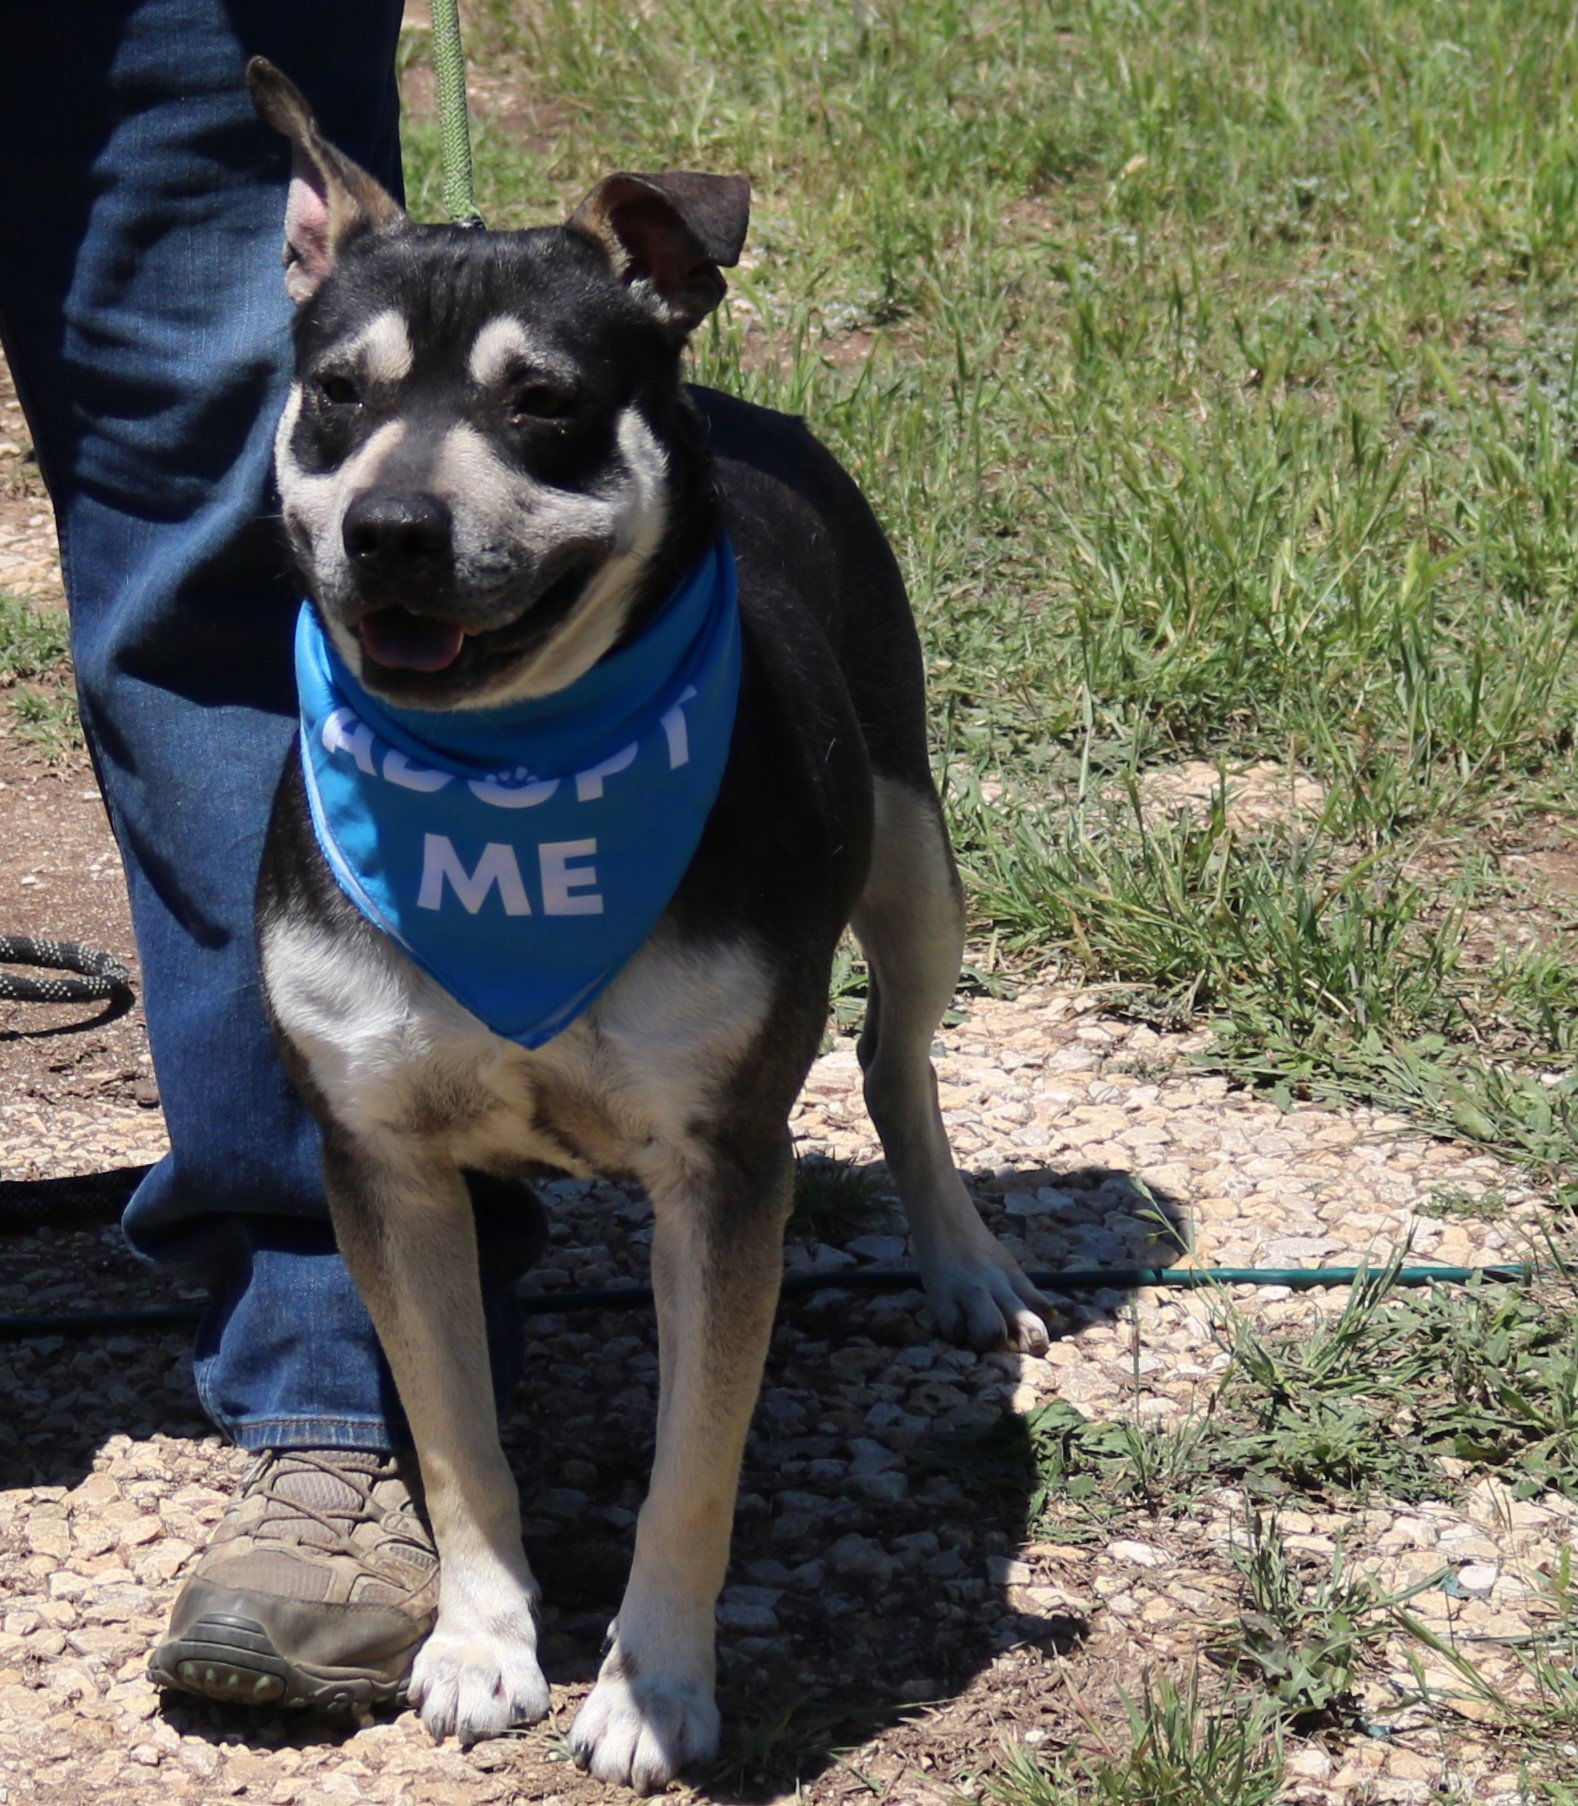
x=495, y=482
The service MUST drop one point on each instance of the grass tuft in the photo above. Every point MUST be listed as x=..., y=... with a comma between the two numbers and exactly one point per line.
x=1304, y=1643
x=1183, y=1751
x=832, y=1199
x=33, y=640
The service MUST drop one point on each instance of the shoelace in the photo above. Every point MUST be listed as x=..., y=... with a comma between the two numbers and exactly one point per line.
x=338, y=1520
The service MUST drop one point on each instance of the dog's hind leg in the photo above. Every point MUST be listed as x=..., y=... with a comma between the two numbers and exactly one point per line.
x=406, y=1229
x=910, y=923
x=717, y=1254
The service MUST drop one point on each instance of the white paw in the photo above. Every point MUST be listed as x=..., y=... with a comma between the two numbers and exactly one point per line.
x=640, y=1732
x=982, y=1299
x=477, y=1684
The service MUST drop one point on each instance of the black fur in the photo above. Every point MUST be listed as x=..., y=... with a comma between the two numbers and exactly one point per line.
x=582, y=417
x=832, y=683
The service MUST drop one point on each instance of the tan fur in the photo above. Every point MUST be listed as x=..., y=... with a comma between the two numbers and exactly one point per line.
x=910, y=921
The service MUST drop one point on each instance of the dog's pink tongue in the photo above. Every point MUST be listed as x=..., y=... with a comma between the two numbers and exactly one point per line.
x=395, y=636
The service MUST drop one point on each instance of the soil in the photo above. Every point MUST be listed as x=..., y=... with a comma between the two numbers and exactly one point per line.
x=60, y=875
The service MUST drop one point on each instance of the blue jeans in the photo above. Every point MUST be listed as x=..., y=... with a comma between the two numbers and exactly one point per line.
x=144, y=316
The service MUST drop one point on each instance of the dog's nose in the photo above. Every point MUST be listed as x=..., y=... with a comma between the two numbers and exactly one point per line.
x=392, y=530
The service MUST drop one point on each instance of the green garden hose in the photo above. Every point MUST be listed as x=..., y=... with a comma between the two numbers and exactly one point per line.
x=873, y=1279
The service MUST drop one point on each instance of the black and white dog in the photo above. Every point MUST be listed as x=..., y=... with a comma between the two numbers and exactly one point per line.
x=493, y=477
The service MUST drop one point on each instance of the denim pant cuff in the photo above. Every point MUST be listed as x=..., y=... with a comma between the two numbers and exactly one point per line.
x=287, y=1356
x=372, y=1434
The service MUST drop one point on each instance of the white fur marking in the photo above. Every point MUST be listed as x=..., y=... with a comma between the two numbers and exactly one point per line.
x=595, y=622
x=382, y=349
x=650, y=1054
x=502, y=342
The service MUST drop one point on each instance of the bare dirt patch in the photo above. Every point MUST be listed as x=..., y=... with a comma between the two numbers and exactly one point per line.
x=1548, y=864
x=29, y=556
x=1255, y=797
x=63, y=1066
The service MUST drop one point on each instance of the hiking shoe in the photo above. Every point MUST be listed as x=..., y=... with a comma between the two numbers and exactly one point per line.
x=317, y=1589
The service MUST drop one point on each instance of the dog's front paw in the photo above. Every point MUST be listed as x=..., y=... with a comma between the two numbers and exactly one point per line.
x=980, y=1297
x=640, y=1730
x=477, y=1684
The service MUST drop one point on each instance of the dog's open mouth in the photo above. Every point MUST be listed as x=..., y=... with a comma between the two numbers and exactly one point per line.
x=408, y=642
x=399, y=639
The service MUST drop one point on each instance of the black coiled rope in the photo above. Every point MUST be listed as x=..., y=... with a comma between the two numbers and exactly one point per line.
x=101, y=976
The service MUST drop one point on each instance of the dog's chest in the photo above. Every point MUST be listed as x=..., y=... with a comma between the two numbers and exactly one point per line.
x=627, y=1088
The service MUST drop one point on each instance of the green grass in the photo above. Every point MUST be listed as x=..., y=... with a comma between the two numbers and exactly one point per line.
x=32, y=640
x=1458, y=1203
x=1304, y=1641
x=47, y=719
x=1402, y=1395
x=1328, y=970
x=1216, y=384
x=35, y=671
x=832, y=1200
x=1178, y=1750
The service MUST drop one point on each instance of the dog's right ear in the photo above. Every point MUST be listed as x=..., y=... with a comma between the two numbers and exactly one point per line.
x=331, y=198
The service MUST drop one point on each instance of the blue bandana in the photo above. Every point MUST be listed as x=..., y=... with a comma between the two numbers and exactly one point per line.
x=521, y=855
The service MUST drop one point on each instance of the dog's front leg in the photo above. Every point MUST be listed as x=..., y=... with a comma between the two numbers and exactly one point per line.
x=717, y=1256
x=406, y=1229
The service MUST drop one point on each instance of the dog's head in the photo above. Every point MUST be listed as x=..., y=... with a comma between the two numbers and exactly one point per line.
x=474, y=461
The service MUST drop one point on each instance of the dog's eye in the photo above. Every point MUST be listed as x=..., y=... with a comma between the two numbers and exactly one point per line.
x=541, y=401
x=339, y=391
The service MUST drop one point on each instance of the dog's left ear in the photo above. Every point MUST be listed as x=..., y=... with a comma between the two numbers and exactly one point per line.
x=667, y=234
x=331, y=198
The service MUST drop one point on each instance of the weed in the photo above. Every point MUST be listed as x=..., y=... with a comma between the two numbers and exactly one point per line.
x=1368, y=1402
x=1304, y=1644
x=832, y=1199
x=34, y=655
x=46, y=717
x=847, y=991
x=1079, y=1476
x=32, y=640
x=1507, y=1375
x=1329, y=1410
x=1365, y=1403
x=1461, y=1204
x=1182, y=1751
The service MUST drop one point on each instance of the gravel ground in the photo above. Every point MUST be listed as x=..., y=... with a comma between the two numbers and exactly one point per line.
x=879, y=1633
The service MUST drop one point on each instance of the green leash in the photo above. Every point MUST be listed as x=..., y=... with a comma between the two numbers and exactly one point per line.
x=454, y=128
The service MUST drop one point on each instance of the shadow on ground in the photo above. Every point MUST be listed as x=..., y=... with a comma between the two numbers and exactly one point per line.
x=870, y=1562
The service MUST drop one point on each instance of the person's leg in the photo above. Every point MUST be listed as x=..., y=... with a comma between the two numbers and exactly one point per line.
x=143, y=313
x=144, y=317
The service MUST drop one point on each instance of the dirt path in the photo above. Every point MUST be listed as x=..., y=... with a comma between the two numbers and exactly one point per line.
x=77, y=1090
